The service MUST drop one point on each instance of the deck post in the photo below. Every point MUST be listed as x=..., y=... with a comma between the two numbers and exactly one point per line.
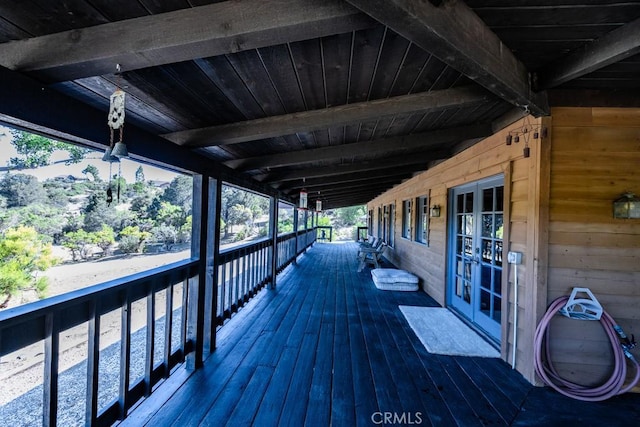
x=296, y=227
x=201, y=249
x=213, y=225
x=274, y=241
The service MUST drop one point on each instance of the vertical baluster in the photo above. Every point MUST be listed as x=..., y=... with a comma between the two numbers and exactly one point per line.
x=151, y=332
x=125, y=355
x=230, y=286
x=168, y=329
x=236, y=282
x=93, y=360
x=221, y=278
x=50, y=380
x=184, y=309
x=252, y=265
x=245, y=269
x=223, y=289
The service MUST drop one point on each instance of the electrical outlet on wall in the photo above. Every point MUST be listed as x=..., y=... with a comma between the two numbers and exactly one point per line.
x=514, y=257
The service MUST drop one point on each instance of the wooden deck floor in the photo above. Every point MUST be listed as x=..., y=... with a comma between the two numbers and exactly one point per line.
x=328, y=349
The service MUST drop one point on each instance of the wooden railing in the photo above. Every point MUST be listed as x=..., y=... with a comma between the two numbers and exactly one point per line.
x=242, y=272
x=162, y=340
x=49, y=320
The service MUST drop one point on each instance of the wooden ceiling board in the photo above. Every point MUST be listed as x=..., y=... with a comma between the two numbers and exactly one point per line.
x=353, y=60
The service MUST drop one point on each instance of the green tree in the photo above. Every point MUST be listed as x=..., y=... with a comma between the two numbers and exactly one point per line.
x=349, y=216
x=104, y=238
x=180, y=193
x=92, y=171
x=36, y=150
x=239, y=214
x=21, y=190
x=97, y=213
x=140, y=175
x=48, y=221
x=23, y=256
x=132, y=239
x=80, y=243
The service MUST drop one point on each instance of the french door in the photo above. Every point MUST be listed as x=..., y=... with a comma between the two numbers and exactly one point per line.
x=475, y=248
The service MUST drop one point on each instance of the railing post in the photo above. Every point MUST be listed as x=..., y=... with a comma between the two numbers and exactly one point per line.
x=50, y=381
x=274, y=241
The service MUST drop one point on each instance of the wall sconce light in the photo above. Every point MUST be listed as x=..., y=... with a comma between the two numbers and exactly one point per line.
x=626, y=206
x=526, y=132
x=435, y=211
x=318, y=206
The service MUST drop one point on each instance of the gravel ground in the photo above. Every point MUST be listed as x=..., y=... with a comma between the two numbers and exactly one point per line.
x=26, y=410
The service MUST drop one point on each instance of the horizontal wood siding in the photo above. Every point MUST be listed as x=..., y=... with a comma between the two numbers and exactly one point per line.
x=595, y=157
x=485, y=159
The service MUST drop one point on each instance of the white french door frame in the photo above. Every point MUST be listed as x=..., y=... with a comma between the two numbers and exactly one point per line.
x=474, y=253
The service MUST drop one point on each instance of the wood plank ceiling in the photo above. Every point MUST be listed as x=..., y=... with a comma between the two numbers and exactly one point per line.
x=347, y=98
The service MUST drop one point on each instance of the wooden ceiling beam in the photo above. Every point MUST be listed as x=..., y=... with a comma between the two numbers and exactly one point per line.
x=308, y=121
x=363, y=149
x=458, y=37
x=331, y=188
x=410, y=163
x=608, y=49
x=199, y=32
x=399, y=173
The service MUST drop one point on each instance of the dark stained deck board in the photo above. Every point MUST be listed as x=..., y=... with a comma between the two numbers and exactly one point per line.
x=327, y=348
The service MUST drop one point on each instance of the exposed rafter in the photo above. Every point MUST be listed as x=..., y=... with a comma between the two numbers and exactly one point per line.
x=363, y=149
x=419, y=162
x=397, y=173
x=181, y=35
x=459, y=38
x=308, y=121
x=612, y=47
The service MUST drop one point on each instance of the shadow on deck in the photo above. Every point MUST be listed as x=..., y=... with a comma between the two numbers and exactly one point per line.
x=328, y=348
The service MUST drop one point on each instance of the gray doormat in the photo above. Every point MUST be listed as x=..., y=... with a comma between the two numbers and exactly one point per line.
x=441, y=332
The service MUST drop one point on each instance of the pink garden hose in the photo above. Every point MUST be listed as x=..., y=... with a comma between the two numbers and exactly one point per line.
x=613, y=386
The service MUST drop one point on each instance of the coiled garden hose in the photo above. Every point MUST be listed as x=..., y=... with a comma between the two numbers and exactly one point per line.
x=612, y=387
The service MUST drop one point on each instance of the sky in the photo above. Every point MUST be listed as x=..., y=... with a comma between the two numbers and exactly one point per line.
x=128, y=171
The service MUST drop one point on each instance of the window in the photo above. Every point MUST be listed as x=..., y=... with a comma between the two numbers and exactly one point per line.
x=389, y=219
x=370, y=222
x=81, y=215
x=286, y=211
x=244, y=216
x=379, y=230
x=302, y=216
x=422, y=218
x=406, y=219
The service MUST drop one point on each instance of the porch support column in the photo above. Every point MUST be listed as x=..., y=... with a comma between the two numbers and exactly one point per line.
x=202, y=248
x=213, y=225
x=296, y=229
x=274, y=241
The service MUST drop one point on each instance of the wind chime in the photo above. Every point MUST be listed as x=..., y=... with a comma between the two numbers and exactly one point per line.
x=526, y=132
x=116, y=150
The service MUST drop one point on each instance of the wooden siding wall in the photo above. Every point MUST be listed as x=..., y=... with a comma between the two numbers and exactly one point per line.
x=595, y=157
x=524, y=186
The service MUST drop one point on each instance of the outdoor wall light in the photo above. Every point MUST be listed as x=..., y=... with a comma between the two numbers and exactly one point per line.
x=626, y=206
x=435, y=211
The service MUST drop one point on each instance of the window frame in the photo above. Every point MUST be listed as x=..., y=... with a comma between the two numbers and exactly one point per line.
x=407, y=219
x=422, y=220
